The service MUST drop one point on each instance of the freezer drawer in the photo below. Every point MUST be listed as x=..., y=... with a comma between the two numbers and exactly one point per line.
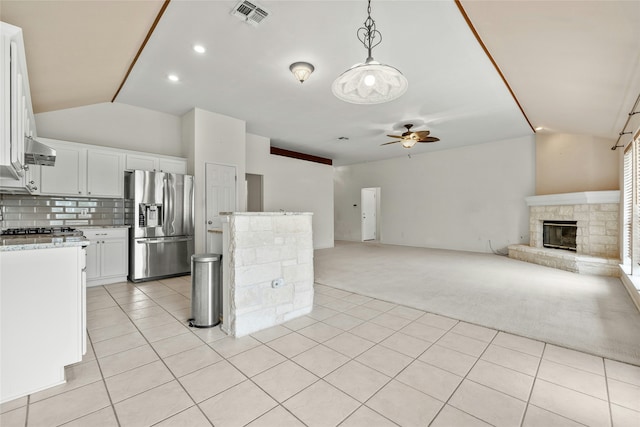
x=154, y=258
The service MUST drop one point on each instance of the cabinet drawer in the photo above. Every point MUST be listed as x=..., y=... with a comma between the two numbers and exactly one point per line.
x=106, y=233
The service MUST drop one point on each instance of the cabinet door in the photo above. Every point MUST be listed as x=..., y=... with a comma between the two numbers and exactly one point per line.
x=113, y=257
x=173, y=166
x=140, y=162
x=93, y=260
x=66, y=177
x=105, y=173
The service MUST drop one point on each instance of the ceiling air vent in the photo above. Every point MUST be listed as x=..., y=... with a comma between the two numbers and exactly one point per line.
x=249, y=12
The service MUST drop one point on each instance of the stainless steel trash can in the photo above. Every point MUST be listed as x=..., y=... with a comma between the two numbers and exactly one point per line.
x=206, y=290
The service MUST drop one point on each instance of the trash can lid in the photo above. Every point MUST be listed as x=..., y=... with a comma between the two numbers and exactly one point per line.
x=205, y=257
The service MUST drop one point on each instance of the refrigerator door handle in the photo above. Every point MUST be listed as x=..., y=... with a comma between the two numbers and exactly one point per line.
x=163, y=240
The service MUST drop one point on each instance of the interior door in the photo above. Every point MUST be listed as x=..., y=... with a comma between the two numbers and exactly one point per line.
x=220, y=182
x=369, y=221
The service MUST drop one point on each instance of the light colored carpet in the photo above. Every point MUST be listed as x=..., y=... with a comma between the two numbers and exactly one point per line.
x=588, y=313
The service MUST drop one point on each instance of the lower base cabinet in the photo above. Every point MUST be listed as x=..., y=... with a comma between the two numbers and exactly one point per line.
x=107, y=255
x=42, y=318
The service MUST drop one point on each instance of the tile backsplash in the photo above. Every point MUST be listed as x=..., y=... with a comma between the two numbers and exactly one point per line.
x=50, y=211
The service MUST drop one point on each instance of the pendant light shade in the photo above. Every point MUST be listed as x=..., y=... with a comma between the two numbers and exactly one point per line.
x=370, y=82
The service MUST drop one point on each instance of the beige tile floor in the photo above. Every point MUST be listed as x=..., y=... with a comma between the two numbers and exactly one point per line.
x=354, y=361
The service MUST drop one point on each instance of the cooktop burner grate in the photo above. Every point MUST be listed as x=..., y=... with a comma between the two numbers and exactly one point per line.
x=36, y=231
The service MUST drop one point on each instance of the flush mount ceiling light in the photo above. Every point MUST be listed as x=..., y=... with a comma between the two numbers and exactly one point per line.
x=173, y=78
x=301, y=70
x=199, y=48
x=370, y=82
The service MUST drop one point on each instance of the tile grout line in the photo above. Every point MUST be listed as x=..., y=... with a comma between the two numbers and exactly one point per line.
x=160, y=357
x=318, y=343
x=606, y=384
x=539, y=363
x=130, y=286
x=533, y=384
x=104, y=381
x=463, y=378
x=559, y=385
x=231, y=363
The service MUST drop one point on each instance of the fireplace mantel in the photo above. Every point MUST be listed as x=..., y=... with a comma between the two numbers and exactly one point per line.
x=580, y=198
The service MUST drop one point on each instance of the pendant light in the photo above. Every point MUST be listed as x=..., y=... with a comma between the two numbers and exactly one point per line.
x=370, y=82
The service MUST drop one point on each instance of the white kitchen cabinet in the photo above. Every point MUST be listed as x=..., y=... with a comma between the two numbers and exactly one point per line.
x=142, y=162
x=138, y=161
x=105, y=173
x=16, y=112
x=82, y=171
x=68, y=176
x=42, y=318
x=173, y=165
x=29, y=182
x=107, y=255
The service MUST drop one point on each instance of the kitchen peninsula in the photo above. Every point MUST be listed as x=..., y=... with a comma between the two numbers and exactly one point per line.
x=42, y=313
x=267, y=264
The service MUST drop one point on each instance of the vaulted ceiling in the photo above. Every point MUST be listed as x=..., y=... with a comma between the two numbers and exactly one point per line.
x=573, y=66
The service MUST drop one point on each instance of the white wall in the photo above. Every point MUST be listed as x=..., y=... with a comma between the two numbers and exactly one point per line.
x=114, y=125
x=295, y=186
x=452, y=199
x=212, y=138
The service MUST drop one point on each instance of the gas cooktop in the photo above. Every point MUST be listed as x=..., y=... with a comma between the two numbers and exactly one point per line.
x=34, y=235
x=54, y=231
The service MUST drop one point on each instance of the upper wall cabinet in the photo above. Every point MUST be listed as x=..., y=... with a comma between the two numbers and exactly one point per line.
x=16, y=112
x=82, y=171
x=156, y=163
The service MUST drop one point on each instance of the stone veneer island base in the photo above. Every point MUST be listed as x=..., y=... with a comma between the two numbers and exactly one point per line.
x=267, y=269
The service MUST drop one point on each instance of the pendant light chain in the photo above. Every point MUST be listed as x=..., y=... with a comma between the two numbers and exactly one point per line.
x=368, y=33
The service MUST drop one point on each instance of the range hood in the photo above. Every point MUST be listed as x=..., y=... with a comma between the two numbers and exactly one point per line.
x=36, y=153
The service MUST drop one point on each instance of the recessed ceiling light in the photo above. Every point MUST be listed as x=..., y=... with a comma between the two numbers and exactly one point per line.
x=173, y=78
x=539, y=128
x=199, y=48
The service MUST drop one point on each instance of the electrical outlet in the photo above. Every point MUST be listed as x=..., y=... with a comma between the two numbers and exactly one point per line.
x=84, y=213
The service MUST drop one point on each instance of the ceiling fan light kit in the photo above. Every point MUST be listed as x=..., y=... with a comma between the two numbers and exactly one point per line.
x=409, y=143
x=301, y=70
x=370, y=82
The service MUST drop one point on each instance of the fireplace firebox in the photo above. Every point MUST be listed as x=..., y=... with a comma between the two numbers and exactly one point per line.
x=559, y=234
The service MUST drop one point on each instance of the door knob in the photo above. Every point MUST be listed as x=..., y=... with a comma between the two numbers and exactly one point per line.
x=209, y=222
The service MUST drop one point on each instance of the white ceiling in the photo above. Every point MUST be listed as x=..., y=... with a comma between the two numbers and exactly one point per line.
x=574, y=66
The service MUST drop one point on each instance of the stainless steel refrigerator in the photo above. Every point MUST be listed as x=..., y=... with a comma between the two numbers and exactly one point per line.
x=159, y=209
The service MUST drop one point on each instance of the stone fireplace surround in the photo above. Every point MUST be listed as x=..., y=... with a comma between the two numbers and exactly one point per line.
x=598, y=230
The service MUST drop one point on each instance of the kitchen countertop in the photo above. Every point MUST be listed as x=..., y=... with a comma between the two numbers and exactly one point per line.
x=24, y=243
x=280, y=213
x=84, y=227
x=28, y=243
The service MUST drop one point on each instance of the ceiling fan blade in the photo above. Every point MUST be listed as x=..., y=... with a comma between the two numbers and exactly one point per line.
x=422, y=133
x=395, y=136
x=387, y=143
x=429, y=139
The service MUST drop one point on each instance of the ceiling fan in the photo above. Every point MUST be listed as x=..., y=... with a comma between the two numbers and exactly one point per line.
x=409, y=138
